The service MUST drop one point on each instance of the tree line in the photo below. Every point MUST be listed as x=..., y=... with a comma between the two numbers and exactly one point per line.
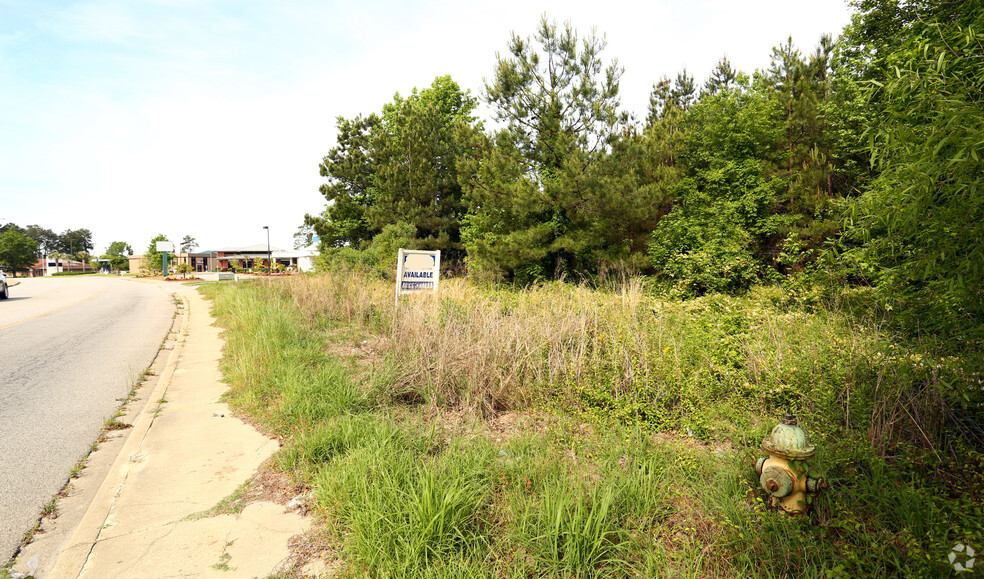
x=22, y=247
x=860, y=156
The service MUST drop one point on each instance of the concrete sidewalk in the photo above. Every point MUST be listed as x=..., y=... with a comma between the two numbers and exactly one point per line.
x=180, y=458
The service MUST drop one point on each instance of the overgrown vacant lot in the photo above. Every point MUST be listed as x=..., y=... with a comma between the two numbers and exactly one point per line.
x=566, y=431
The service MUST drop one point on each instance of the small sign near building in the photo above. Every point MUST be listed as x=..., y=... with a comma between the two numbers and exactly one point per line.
x=417, y=271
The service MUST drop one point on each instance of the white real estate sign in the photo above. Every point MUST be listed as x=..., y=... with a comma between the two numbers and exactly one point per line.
x=417, y=271
x=167, y=246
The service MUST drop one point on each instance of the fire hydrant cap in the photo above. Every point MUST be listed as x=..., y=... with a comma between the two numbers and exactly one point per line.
x=788, y=441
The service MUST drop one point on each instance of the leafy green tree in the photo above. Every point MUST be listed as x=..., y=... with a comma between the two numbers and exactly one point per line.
x=47, y=239
x=415, y=177
x=153, y=258
x=879, y=29
x=118, y=254
x=398, y=167
x=18, y=252
x=75, y=240
x=534, y=186
x=716, y=238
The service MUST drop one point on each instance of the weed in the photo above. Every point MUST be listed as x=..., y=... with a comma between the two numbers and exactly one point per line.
x=230, y=505
x=114, y=424
x=224, y=558
x=76, y=469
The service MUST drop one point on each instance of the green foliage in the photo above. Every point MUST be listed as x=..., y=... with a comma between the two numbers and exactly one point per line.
x=47, y=239
x=380, y=256
x=920, y=222
x=416, y=178
x=713, y=240
x=118, y=254
x=557, y=100
x=75, y=240
x=723, y=77
x=699, y=249
x=18, y=252
x=555, y=193
x=349, y=168
x=398, y=167
x=154, y=261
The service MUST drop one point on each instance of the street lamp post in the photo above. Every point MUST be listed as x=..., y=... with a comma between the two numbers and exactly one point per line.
x=269, y=253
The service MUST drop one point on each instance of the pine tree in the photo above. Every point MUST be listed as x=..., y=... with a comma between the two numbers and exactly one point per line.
x=535, y=186
x=722, y=77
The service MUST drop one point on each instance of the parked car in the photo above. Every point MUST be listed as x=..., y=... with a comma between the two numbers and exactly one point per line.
x=4, y=291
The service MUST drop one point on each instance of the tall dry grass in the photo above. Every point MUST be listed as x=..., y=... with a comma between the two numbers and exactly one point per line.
x=710, y=366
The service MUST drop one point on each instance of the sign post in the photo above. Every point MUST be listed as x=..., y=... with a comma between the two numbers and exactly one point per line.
x=164, y=247
x=417, y=271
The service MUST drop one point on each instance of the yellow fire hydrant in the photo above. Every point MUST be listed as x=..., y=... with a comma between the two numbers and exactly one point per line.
x=785, y=474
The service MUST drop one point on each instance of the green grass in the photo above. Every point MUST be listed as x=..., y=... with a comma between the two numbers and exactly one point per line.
x=637, y=424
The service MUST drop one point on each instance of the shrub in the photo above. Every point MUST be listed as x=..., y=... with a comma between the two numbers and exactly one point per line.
x=700, y=251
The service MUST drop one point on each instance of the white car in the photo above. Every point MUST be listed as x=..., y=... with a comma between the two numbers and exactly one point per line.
x=4, y=291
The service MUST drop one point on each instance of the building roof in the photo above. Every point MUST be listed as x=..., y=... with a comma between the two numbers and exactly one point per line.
x=257, y=248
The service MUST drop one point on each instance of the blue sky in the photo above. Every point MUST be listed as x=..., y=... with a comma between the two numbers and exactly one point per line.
x=209, y=118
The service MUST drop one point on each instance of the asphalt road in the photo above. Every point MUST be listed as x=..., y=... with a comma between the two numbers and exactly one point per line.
x=69, y=348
